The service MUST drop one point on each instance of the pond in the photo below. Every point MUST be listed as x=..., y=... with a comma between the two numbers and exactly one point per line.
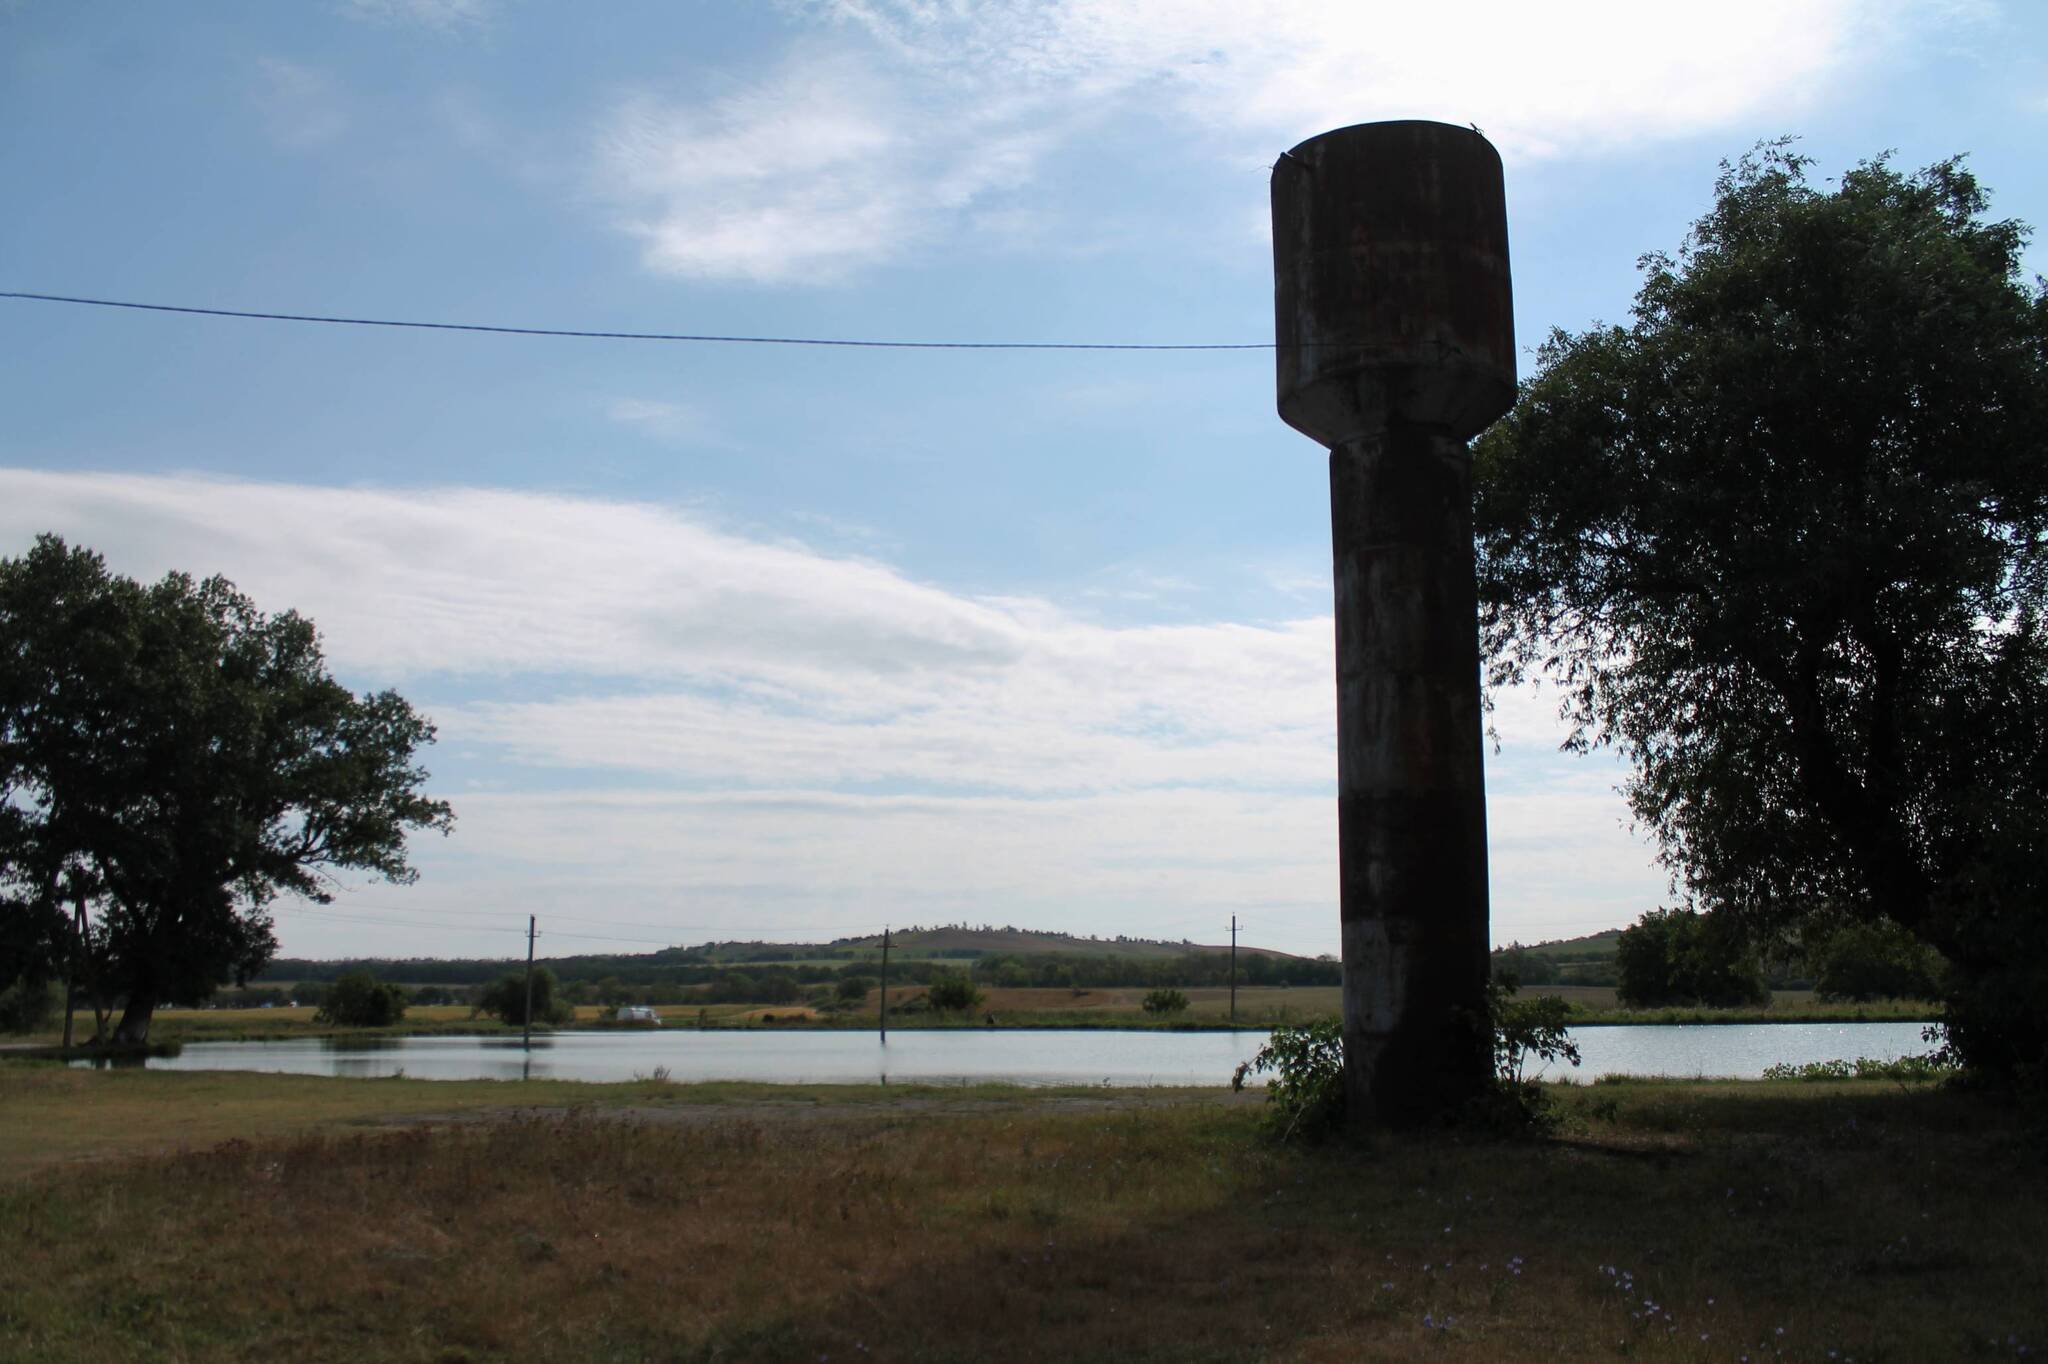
x=965, y=1056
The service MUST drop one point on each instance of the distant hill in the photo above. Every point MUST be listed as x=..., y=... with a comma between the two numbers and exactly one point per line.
x=1591, y=947
x=961, y=941
x=1566, y=961
x=952, y=943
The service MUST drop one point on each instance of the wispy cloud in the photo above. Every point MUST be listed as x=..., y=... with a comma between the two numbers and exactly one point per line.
x=1542, y=79
x=819, y=168
x=437, y=14
x=301, y=107
x=749, y=721
x=680, y=423
x=896, y=121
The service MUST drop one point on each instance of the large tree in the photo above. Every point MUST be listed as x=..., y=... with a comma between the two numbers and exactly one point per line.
x=172, y=760
x=1783, y=541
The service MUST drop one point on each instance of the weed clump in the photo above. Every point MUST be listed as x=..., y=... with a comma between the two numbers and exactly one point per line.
x=1904, y=1068
x=1305, y=1097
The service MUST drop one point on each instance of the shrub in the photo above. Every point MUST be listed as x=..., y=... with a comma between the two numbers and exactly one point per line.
x=1523, y=1028
x=852, y=989
x=1990, y=925
x=1864, y=1068
x=506, y=999
x=1876, y=960
x=1164, y=1001
x=952, y=994
x=1677, y=956
x=358, y=999
x=29, y=1006
x=1305, y=1097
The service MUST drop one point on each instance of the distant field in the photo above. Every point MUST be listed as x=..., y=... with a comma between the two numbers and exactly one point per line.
x=1257, y=1006
x=1596, y=1004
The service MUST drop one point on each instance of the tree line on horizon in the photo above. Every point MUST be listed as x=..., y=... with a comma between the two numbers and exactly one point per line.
x=1002, y=970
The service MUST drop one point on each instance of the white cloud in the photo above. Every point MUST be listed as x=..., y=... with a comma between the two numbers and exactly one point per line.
x=787, y=727
x=1541, y=79
x=680, y=423
x=301, y=106
x=820, y=168
x=923, y=118
x=803, y=862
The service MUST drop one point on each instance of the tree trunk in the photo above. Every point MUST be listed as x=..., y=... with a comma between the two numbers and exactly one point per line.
x=1867, y=822
x=134, y=1026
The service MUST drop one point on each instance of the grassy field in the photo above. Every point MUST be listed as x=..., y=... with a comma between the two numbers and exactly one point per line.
x=1596, y=1004
x=53, y=1116
x=1668, y=1222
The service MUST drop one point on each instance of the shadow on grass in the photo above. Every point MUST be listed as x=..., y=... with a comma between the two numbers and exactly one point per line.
x=1907, y=1223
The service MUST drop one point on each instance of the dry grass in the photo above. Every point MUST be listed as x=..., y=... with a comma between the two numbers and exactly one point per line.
x=1876, y=1222
x=234, y=1025
x=53, y=1115
x=1206, y=1004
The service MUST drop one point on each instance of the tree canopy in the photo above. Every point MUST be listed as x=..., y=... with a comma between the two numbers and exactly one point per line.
x=1677, y=956
x=1783, y=541
x=172, y=761
x=359, y=1000
x=506, y=999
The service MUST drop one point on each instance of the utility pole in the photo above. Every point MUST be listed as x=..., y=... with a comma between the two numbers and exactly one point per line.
x=885, y=985
x=526, y=1034
x=71, y=973
x=1233, y=970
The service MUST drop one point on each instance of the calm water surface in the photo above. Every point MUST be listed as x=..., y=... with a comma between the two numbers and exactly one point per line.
x=1079, y=1057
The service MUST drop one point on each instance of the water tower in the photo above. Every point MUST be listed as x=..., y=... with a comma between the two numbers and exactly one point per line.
x=1395, y=331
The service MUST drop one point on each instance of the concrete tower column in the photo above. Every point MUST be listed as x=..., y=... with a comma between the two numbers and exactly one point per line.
x=1395, y=346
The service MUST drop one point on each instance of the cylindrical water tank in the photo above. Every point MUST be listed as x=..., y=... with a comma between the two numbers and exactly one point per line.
x=1390, y=281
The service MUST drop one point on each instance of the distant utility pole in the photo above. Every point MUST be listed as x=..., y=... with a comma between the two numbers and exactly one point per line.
x=71, y=969
x=1233, y=970
x=885, y=985
x=526, y=1033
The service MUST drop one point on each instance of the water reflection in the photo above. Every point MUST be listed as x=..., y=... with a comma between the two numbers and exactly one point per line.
x=1024, y=1056
x=129, y=1059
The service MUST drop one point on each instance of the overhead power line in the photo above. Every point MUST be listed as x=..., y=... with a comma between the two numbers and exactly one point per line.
x=631, y=336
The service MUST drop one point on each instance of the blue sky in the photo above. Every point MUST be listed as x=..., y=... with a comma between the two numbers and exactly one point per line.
x=748, y=641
